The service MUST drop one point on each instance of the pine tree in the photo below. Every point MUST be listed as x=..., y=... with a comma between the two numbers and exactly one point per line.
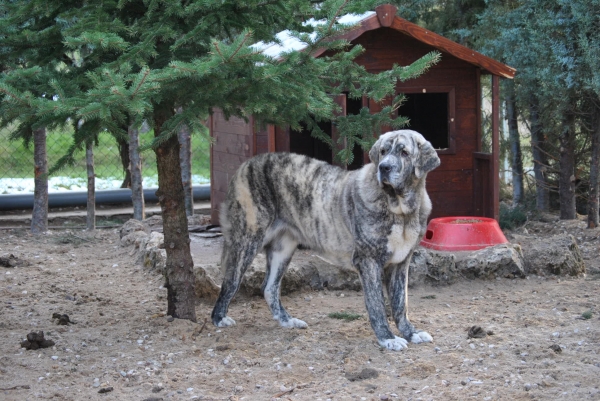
x=143, y=59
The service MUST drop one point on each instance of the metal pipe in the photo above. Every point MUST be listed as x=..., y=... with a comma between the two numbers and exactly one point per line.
x=79, y=198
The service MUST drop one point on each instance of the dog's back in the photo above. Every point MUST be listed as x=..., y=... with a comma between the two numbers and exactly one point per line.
x=278, y=192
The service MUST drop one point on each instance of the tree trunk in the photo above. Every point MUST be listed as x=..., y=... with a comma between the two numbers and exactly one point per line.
x=179, y=270
x=540, y=158
x=566, y=186
x=185, y=158
x=515, y=148
x=124, y=154
x=592, y=218
x=91, y=186
x=135, y=160
x=39, y=217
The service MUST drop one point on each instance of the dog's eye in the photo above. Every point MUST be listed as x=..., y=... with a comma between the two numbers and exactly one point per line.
x=404, y=153
x=382, y=152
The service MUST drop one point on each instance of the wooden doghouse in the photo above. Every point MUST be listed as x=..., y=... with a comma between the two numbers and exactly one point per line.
x=444, y=104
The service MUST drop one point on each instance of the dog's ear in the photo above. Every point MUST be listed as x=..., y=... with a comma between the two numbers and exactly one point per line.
x=374, y=152
x=427, y=159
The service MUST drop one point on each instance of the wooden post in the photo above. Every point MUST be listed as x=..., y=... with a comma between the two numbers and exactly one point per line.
x=39, y=217
x=91, y=185
x=271, y=138
x=495, y=147
x=135, y=167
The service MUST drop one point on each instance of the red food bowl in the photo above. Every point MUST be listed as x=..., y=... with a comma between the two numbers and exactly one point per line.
x=462, y=233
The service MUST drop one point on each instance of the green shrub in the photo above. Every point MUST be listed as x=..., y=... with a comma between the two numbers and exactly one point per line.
x=347, y=316
x=512, y=217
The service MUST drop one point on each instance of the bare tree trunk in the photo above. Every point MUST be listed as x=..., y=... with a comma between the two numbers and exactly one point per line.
x=124, y=156
x=515, y=147
x=566, y=187
x=39, y=217
x=135, y=160
x=179, y=269
x=540, y=158
x=592, y=218
x=185, y=158
x=91, y=185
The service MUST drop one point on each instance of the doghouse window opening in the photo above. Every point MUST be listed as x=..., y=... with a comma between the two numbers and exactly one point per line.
x=302, y=142
x=431, y=113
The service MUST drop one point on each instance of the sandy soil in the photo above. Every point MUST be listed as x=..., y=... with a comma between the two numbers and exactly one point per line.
x=121, y=340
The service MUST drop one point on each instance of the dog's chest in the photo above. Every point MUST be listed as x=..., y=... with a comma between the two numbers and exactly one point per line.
x=400, y=241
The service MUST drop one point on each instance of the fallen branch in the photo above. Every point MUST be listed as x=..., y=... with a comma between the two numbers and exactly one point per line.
x=21, y=386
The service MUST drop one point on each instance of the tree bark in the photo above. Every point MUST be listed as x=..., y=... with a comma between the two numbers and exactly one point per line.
x=540, y=158
x=185, y=158
x=39, y=217
x=515, y=147
x=592, y=217
x=566, y=186
x=135, y=168
x=124, y=154
x=91, y=186
x=179, y=270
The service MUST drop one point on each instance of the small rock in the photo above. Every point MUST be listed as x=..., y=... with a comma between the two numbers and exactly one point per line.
x=104, y=390
x=476, y=332
x=36, y=340
x=157, y=389
x=170, y=318
x=366, y=373
x=527, y=386
x=463, y=382
x=556, y=348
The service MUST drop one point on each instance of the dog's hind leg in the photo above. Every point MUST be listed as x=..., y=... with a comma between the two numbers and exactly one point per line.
x=236, y=259
x=279, y=253
x=397, y=283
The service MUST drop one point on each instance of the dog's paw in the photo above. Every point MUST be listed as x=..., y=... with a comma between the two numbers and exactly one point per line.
x=294, y=323
x=396, y=343
x=421, y=337
x=226, y=322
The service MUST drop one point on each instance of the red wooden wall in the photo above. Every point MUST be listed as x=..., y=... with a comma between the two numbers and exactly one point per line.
x=233, y=143
x=450, y=186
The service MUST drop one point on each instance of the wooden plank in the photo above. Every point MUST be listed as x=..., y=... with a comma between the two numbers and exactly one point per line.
x=216, y=199
x=271, y=138
x=481, y=184
x=221, y=181
x=495, y=179
x=282, y=139
x=386, y=14
x=479, y=116
x=454, y=203
x=459, y=51
x=227, y=162
x=234, y=125
x=232, y=143
x=450, y=180
x=262, y=143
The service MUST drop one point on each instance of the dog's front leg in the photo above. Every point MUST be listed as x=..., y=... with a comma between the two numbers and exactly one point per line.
x=397, y=284
x=371, y=274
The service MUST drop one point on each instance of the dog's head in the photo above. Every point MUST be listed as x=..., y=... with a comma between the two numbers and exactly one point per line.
x=402, y=158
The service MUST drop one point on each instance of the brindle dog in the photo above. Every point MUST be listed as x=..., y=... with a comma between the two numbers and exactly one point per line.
x=371, y=219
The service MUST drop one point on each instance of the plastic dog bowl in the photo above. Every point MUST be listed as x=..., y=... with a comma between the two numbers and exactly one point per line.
x=462, y=233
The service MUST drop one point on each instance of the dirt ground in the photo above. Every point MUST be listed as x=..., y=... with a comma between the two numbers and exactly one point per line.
x=121, y=346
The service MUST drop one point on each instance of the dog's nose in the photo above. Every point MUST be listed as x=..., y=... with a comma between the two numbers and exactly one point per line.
x=385, y=167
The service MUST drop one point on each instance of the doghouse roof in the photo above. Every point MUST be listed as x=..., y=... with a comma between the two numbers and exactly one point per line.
x=385, y=16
